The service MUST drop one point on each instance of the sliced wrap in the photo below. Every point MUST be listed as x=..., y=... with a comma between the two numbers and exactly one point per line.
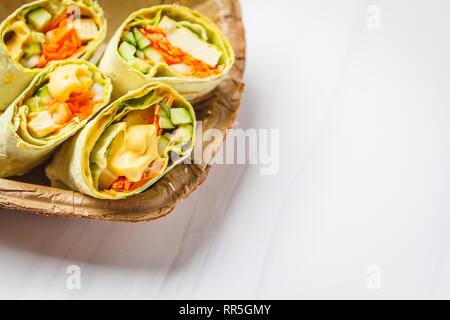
x=170, y=44
x=129, y=146
x=58, y=102
x=45, y=31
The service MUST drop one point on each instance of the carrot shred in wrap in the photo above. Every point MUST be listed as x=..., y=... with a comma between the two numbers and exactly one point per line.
x=174, y=55
x=81, y=104
x=122, y=184
x=63, y=41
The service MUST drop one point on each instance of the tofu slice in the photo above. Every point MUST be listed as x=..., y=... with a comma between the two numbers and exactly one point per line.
x=181, y=68
x=42, y=125
x=189, y=42
x=62, y=114
x=87, y=29
x=168, y=25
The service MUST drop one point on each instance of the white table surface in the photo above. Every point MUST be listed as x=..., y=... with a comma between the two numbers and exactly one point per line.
x=359, y=207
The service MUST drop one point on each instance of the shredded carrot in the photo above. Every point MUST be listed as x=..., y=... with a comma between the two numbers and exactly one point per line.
x=63, y=41
x=122, y=184
x=151, y=118
x=81, y=97
x=156, y=119
x=148, y=175
x=54, y=24
x=173, y=55
x=151, y=115
x=42, y=61
x=81, y=104
x=170, y=100
x=110, y=192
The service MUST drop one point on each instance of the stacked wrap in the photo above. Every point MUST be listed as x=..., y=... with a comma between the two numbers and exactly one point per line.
x=20, y=150
x=15, y=77
x=81, y=161
x=126, y=78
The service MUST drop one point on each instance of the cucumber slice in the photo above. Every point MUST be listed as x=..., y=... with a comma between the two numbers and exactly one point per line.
x=38, y=37
x=39, y=18
x=163, y=142
x=165, y=123
x=129, y=37
x=140, y=54
x=164, y=111
x=40, y=100
x=184, y=134
x=56, y=8
x=140, y=65
x=127, y=51
x=44, y=94
x=180, y=116
x=34, y=49
x=141, y=41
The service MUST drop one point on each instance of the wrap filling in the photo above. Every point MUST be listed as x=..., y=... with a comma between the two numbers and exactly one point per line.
x=47, y=33
x=64, y=97
x=134, y=148
x=183, y=45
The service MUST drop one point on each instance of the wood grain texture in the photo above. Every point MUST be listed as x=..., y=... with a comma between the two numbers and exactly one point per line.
x=31, y=192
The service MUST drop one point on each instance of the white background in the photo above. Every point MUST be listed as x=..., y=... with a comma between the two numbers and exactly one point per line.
x=364, y=176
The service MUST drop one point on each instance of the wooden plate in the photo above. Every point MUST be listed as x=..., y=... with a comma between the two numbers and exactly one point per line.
x=31, y=193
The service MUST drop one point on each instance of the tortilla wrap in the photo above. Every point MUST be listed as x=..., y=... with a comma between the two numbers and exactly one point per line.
x=126, y=78
x=81, y=162
x=15, y=77
x=20, y=148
